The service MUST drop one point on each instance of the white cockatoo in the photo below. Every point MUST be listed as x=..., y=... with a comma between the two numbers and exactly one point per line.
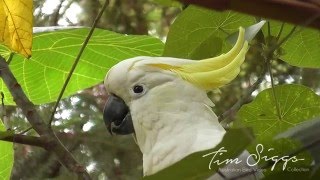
x=164, y=102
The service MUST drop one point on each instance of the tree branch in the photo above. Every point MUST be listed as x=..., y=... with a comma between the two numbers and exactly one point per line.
x=296, y=12
x=55, y=15
x=22, y=139
x=52, y=143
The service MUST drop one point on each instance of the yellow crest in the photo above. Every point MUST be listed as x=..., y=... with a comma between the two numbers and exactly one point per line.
x=214, y=72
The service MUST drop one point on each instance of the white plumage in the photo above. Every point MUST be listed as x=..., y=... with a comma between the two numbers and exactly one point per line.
x=172, y=117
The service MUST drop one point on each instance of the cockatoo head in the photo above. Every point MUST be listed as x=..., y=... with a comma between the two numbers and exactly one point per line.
x=131, y=79
x=149, y=95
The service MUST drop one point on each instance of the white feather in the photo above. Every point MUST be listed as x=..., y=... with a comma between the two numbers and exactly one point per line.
x=172, y=118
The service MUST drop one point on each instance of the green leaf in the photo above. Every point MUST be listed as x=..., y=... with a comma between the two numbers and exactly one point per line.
x=302, y=48
x=293, y=173
x=202, y=29
x=195, y=166
x=42, y=76
x=308, y=134
x=210, y=47
x=297, y=104
x=6, y=157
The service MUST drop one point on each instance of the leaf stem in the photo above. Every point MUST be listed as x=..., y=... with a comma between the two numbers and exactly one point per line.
x=269, y=29
x=280, y=31
x=273, y=89
x=268, y=59
x=271, y=51
x=77, y=60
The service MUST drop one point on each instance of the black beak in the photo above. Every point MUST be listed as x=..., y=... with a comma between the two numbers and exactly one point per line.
x=117, y=116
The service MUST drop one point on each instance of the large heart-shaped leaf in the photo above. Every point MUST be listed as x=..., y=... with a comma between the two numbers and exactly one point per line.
x=199, y=33
x=296, y=104
x=42, y=76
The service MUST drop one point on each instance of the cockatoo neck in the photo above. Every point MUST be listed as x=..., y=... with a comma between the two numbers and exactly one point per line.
x=173, y=121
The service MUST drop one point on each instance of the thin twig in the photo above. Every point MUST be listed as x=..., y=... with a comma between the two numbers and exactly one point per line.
x=77, y=60
x=305, y=24
x=26, y=130
x=280, y=43
x=223, y=117
x=55, y=15
x=66, y=7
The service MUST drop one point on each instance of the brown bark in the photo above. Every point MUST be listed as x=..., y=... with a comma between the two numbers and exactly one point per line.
x=304, y=13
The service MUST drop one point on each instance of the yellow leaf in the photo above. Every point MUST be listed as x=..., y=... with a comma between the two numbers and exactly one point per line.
x=16, y=21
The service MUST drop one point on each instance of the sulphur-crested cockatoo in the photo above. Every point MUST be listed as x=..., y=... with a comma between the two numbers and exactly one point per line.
x=164, y=102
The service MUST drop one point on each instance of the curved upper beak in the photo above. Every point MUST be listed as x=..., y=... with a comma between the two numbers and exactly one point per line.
x=117, y=116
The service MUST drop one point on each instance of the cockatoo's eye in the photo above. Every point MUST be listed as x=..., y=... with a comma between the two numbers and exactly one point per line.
x=137, y=89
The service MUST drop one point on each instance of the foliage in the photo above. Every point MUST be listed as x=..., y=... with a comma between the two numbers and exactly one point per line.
x=296, y=104
x=199, y=33
x=54, y=54
x=277, y=104
x=6, y=157
x=16, y=25
x=301, y=49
